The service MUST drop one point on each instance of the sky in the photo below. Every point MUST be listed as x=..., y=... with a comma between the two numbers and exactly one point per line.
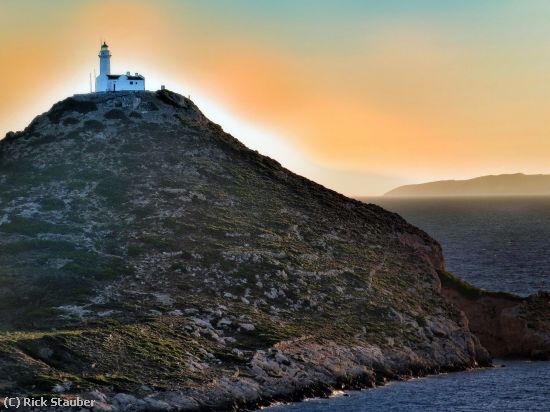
x=358, y=95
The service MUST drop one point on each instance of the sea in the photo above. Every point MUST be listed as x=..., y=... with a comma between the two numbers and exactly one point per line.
x=495, y=243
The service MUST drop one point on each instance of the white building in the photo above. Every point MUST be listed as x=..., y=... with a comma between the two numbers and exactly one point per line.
x=107, y=82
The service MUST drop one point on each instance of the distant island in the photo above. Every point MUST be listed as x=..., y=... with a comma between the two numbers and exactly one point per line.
x=517, y=184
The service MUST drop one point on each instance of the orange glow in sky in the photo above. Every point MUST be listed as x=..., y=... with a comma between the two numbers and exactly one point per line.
x=358, y=95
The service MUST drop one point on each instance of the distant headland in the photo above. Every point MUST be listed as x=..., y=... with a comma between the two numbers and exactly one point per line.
x=517, y=184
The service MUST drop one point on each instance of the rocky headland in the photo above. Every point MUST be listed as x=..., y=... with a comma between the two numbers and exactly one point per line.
x=507, y=325
x=150, y=261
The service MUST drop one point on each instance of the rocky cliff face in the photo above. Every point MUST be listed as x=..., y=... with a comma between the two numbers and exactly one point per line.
x=149, y=260
x=507, y=325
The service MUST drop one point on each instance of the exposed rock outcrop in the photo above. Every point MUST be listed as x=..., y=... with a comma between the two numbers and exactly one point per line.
x=507, y=325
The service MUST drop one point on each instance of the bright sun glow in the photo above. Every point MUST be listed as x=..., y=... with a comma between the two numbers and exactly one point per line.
x=389, y=95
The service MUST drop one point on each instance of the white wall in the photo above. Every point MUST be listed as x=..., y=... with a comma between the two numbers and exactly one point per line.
x=101, y=83
x=122, y=83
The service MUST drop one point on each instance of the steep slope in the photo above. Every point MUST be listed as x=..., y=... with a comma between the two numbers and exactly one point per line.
x=500, y=185
x=144, y=251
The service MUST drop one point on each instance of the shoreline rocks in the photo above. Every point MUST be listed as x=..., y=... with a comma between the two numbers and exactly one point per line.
x=292, y=372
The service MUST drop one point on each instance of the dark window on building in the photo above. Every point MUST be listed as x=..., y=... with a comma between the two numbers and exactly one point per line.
x=131, y=82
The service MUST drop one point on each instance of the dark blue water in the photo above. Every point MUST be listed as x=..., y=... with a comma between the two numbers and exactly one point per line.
x=494, y=243
x=520, y=386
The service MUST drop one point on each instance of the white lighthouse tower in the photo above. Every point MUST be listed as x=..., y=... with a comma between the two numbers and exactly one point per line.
x=104, y=60
x=107, y=82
